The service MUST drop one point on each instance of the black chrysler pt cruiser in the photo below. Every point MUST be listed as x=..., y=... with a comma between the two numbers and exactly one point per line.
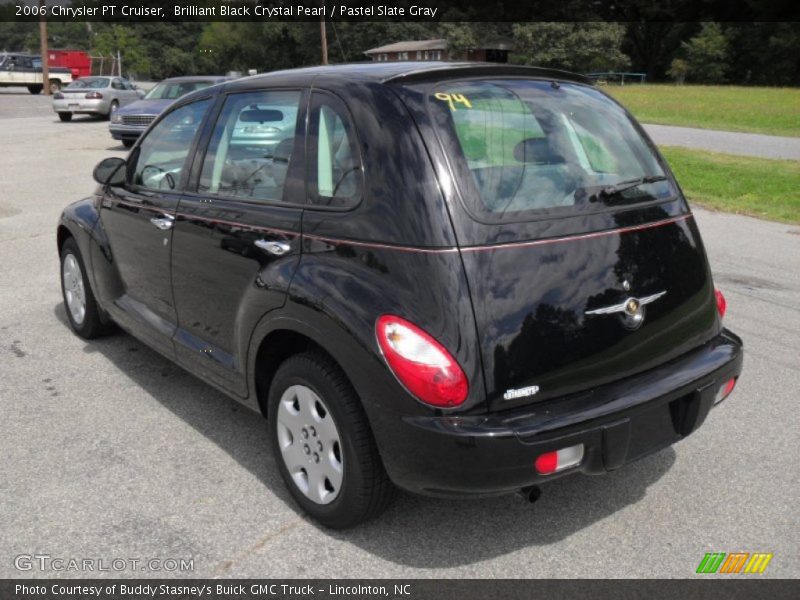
x=455, y=279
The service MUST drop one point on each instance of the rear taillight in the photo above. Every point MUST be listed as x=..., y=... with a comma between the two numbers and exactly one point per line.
x=94, y=96
x=725, y=390
x=422, y=364
x=58, y=96
x=558, y=460
x=722, y=304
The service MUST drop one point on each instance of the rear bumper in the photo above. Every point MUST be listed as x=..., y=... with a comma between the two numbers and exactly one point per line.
x=82, y=106
x=617, y=424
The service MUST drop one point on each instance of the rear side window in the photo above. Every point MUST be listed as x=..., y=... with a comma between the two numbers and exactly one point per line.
x=335, y=175
x=251, y=146
x=525, y=149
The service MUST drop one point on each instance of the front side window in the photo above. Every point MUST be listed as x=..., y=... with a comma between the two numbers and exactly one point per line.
x=526, y=148
x=253, y=141
x=161, y=156
x=335, y=164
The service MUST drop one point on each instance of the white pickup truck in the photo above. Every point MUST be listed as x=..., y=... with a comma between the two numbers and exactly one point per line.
x=25, y=70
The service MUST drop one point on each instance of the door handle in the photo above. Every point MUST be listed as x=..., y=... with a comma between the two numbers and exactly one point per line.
x=164, y=222
x=276, y=248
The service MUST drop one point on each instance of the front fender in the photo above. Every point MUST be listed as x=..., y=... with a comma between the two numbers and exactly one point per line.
x=78, y=220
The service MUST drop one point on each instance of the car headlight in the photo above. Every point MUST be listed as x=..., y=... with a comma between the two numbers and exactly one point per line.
x=115, y=118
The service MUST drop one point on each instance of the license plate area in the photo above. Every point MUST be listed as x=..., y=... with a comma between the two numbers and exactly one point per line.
x=73, y=106
x=652, y=430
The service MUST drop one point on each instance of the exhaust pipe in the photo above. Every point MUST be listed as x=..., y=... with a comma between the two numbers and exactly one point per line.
x=531, y=494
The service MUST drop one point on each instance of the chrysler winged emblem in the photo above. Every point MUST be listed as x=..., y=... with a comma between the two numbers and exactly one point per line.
x=631, y=310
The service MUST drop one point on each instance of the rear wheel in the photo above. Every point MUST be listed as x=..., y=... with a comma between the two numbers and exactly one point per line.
x=323, y=444
x=82, y=311
x=35, y=89
x=65, y=116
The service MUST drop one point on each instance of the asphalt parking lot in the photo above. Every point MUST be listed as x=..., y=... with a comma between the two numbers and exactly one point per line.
x=108, y=450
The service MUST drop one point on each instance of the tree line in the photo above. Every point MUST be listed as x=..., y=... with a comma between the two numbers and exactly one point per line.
x=735, y=53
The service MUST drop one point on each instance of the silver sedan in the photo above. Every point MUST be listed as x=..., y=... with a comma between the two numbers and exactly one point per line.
x=99, y=96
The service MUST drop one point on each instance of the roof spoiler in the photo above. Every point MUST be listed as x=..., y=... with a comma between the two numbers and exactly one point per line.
x=485, y=70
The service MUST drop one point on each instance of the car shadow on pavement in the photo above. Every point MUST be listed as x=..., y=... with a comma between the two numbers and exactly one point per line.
x=77, y=120
x=415, y=531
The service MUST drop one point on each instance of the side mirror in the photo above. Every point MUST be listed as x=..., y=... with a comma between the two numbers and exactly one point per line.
x=110, y=171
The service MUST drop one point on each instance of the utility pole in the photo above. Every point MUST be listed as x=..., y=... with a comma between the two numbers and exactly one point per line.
x=324, y=40
x=43, y=47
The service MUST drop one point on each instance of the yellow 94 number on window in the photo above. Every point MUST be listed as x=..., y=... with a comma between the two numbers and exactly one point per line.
x=453, y=99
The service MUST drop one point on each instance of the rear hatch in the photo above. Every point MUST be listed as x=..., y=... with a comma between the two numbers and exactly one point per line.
x=583, y=260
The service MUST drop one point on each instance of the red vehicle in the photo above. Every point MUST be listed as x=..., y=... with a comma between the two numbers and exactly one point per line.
x=77, y=61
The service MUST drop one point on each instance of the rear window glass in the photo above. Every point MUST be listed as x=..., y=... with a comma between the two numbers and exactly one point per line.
x=89, y=83
x=527, y=148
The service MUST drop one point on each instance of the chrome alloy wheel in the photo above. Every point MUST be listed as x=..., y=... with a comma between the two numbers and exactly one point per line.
x=73, y=288
x=310, y=444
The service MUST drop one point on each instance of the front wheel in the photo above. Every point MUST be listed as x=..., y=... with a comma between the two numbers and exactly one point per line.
x=65, y=116
x=112, y=109
x=323, y=444
x=82, y=310
x=55, y=86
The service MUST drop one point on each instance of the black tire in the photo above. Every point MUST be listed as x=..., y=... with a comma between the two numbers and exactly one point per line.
x=366, y=490
x=35, y=89
x=93, y=323
x=112, y=108
x=128, y=143
x=65, y=116
x=55, y=86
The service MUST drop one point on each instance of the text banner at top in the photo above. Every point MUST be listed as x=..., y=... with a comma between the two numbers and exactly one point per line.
x=402, y=10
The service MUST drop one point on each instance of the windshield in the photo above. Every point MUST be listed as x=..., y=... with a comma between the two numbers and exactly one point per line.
x=527, y=148
x=172, y=90
x=89, y=83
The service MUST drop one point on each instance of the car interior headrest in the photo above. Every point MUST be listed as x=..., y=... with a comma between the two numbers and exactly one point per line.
x=261, y=115
x=283, y=151
x=537, y=151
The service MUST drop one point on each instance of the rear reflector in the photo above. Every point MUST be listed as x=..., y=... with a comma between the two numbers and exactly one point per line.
x=722, y=304
x=725, y=390
x=558, y=460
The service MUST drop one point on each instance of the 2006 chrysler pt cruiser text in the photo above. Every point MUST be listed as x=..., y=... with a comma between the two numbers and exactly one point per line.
x=455, y=279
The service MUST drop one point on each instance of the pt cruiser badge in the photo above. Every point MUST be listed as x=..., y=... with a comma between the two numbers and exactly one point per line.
x=632, y=310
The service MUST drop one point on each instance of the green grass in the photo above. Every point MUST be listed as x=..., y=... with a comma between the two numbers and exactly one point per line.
x=774, y=111
x=769, y=189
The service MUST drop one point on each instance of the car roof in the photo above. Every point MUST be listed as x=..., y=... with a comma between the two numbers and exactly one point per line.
x=194, y=78
x=403, y=72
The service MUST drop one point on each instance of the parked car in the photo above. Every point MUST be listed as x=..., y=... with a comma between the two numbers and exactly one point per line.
x=456, y=279
x=99, y=96
x=25, y=70
x=128, y=124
